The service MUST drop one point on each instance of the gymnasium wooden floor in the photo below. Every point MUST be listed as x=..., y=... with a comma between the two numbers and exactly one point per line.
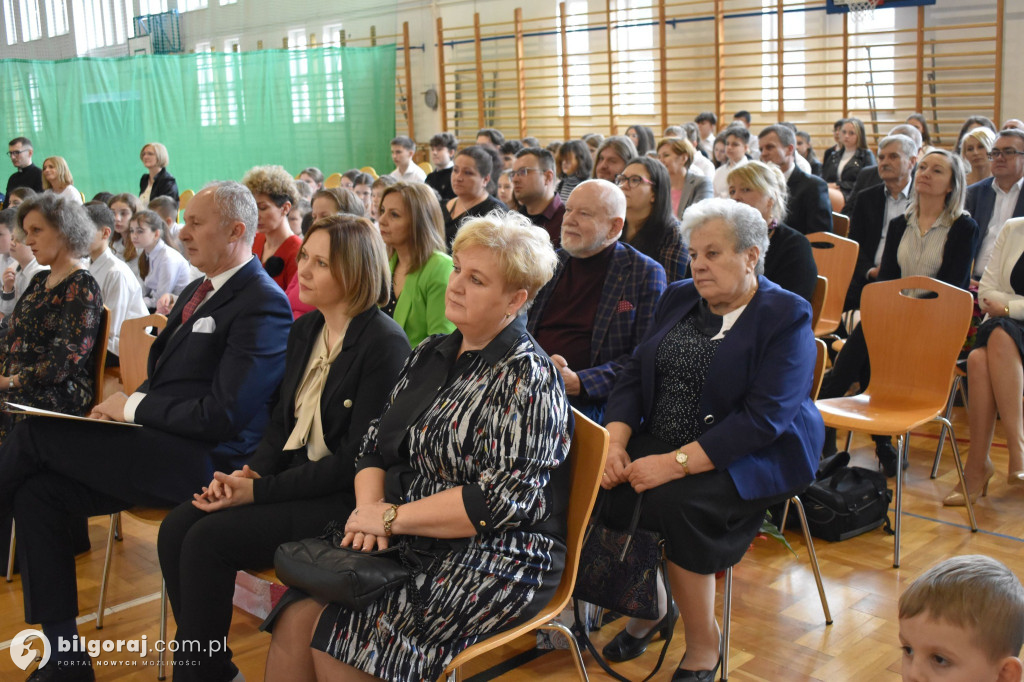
x=778, y=631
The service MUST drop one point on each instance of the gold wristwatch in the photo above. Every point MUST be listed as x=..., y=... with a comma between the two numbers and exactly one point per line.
x=684, y=461
x=390, y=514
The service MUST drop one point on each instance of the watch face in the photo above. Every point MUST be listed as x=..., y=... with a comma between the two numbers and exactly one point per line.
x=390, y=514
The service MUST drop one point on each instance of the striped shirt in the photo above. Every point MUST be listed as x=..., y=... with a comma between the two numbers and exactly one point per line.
x=922, y=254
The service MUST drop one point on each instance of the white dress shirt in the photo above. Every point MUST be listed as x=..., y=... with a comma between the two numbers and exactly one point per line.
x=703, y=166
x=894, y=207
x=412, y=174
x=168, y=273
x=122, y=294
x=721, y=182
x=1001, y=212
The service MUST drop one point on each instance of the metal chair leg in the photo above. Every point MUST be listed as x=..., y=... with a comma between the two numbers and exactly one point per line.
x=849, y=440
x=160, y=674
x=902, y=450
x=785, y=516
x=10, y=556
x=106, y=571
x=574, y=646
x=960, y=472
x=947, y=414
x=726, y=622
x=118, y=535
x=813, y=556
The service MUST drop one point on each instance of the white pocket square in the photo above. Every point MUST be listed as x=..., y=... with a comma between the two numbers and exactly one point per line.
x=204, y=325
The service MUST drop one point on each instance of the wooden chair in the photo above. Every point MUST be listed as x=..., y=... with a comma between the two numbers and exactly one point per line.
x=135, y=345
x=818, y=300
x=333, y=180
x=910, y=381
x=427, y=168
x=99, y=361
x=370, y=171
x=840, y=224
x=959, y=386
x=819, y=373
x=183, y=200
x=587, y=456
x=836, y=258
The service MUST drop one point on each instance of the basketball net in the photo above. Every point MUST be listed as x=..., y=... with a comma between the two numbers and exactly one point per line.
x=861, y=9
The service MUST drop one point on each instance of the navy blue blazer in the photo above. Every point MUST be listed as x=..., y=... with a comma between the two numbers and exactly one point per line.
x=981, y=201
x=216, y=386
x=631, y=289
x=760, y=424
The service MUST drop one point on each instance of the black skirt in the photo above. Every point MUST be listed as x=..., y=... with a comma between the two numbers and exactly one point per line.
x=706, y=525
x=1015, y=329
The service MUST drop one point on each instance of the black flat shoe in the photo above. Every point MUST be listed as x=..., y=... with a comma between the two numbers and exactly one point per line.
x=887, y=457
x=626, y=647
x=697, y=675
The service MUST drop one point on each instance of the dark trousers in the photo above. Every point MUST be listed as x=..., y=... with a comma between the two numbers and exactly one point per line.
x=851, y=366
x=200, y=553
x=54, y=470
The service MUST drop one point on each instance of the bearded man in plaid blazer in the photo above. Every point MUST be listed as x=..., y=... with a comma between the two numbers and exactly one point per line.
x=597, y=306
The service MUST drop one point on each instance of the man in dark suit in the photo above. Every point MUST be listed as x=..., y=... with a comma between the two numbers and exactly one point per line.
x=808, y=208
x=595, y=309
x=212, y=373
x=869, y=177
x=995, y=200
x=876, y=206
x=26, y=173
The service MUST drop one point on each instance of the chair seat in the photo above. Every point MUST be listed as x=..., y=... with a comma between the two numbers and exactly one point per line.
x=825, y=326
x=881, y=417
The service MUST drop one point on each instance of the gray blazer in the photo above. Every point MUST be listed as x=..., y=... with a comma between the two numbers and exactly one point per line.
x=697, y=188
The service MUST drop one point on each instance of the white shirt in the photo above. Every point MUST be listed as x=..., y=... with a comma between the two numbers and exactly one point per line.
x=217, y=281
x=708, y=143
x=1001, y=212
x=71, y=193
x=801, y=163
x=721, y=181
x=847, y=155
x=995, y=282
x=168, y=273
x=894, y=207
x=412, y=174
x=21, y=281
x=122, y=294
x=703, y=165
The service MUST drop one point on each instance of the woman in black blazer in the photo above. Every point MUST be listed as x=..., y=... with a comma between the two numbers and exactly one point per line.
x=343, y=360
x=156, y=182
x=858, y=157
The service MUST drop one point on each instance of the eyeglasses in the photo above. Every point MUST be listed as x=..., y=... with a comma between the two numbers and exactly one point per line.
x=633, y=181
x=1008, y=153
x=16, y=152
x=523, y=172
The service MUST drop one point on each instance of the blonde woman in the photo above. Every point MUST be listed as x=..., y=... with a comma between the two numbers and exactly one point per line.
x=975, y=148
x=156, y=182
x=57, y=178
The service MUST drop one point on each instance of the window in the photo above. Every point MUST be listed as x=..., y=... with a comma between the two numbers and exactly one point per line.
x=31, y=26
x=56, y=17
x=794, y=67
x=227, y=2
x=12, y=28
x=873, y=62
x=299, y=68
x=633, y=40
x=28, y=113
x=232, y=88
x=203, y=46
x=231, y=45
x=577, y=43
x=101, y=24
x=332, y=35
x=189, y=5
x=207, y=80
x=152, y=7
x=335, y=86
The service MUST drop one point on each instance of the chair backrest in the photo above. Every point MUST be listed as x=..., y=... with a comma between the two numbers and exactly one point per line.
x=135, y=345
x=427, y=168
x=819, y=367
x=818, y=300
x=333, y=180
x=99, y=357
x=840, y=224
x=370, y=171
x=913, y=342
x=836, y=258
x=183, y=200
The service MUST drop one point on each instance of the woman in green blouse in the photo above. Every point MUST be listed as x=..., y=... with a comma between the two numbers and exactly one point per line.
x=412, y=226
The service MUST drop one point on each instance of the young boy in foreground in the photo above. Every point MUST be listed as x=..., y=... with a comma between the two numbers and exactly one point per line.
x=963, y=621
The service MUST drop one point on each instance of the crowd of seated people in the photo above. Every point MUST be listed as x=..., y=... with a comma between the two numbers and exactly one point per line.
x=607, y=276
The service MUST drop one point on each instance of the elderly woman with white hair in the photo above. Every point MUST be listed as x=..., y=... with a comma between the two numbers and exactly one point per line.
x=712, y=420
x=486, y=499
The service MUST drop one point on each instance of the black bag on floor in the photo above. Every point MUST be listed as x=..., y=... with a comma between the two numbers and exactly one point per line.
x=847, y=502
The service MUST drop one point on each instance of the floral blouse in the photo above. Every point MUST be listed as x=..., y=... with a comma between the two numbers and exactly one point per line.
x=50, y=344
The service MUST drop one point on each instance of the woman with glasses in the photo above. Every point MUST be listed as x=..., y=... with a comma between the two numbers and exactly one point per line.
x=651, y=228
x=471, y=176
x=156, y=182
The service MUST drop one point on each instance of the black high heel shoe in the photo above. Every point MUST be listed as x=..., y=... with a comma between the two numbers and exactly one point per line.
x=697, y=675
x=626, y=647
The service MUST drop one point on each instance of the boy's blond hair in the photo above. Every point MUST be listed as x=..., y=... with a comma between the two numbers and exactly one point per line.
x=976, y=593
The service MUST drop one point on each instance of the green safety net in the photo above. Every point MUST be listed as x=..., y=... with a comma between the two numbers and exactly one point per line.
x=218, y=114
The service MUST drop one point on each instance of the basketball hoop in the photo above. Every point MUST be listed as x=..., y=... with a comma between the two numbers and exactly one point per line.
x=859, y=10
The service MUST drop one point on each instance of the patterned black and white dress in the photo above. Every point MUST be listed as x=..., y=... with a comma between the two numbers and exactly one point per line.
x=497, y=423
